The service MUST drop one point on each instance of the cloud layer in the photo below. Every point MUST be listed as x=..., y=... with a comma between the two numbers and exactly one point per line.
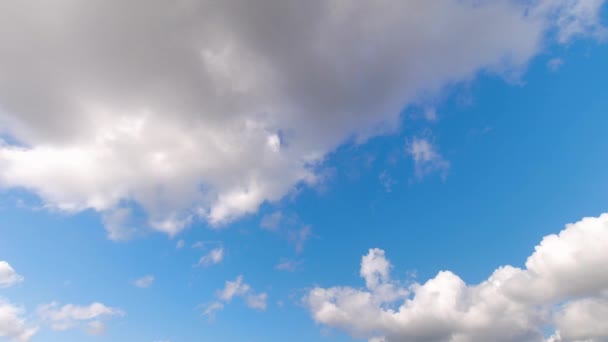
x=202, y=110
x=564, y=286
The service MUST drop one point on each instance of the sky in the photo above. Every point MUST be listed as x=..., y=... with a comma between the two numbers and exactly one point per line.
x=380, y=171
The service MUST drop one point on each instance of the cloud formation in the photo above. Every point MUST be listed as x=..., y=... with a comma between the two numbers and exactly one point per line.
x=426, y=158
x=564, y=286
x=237, y=288
x=215, y=256
x=144, y=282
x=70, y=316
x=12, y=323
x=203, y=110
x=8, y=276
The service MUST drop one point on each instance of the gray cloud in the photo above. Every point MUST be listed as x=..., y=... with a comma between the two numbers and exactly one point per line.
x=203, y=110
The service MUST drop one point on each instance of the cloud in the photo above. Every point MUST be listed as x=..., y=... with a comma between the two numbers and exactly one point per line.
x=8, y=276
x=387, y=181
x=144, y=282
x=212, y=308
x=582, y=320
x=96, y=328
x=165, y=107
x=272, y=221
x=69, y=316
x=237, y=288
x=180, y=244
x=12, y=324
x=299, y=237
x=426, y=158
x=289, y=227
x=554, y=64
x=563, y=286
x=288, y=265
x=215, y=256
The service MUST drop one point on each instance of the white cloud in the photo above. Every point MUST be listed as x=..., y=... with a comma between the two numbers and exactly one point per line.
x=566, y=274
x=257, y=301
x=69, y=316
x=187, y=116
x=215, y=256
x=144, y=282
x=8, y=276
x=180, y=244
x=13, y=325
x=426, y=158
x=212, y=308
x=237, y=288
x=583, y=320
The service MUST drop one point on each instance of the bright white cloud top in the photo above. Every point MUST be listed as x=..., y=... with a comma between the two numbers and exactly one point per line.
x=564, y=285
x=165, y=106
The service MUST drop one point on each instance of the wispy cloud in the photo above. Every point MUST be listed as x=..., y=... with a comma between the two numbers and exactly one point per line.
x=144, y=282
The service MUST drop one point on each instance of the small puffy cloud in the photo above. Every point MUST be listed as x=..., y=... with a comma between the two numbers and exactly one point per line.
x=210, y=118
x=144, y=282
x=180, y=244
x=426, y=158
x=215, y=256
x=8, y=276
x=564, y=286
x=13, y=325
x=237, y=288
x=234, y=288
x=257, y=301
x=70, y=316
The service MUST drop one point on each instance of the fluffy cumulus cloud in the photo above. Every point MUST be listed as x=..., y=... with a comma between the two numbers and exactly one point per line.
x=237, y=288
x=564, y=286
x=13, y=325
x=202, y=110
x=90, y=317
x=8, y=276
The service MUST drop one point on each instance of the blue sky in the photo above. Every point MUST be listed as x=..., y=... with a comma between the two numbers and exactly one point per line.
x=471, y=173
